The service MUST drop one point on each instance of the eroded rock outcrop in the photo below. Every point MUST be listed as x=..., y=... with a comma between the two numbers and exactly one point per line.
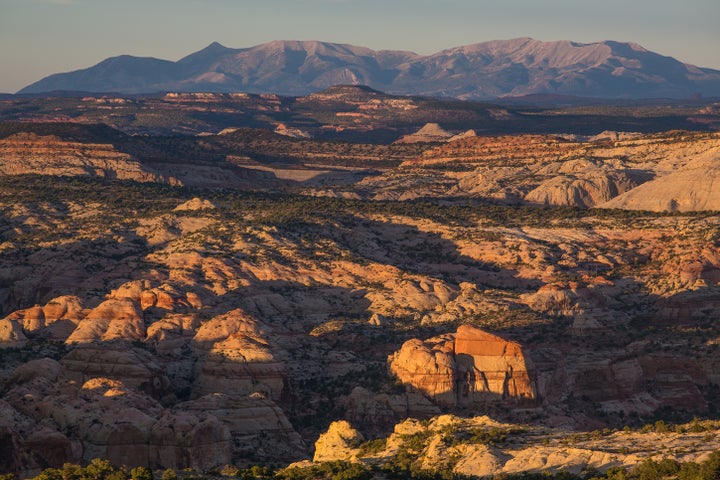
x=620, y=385
x=490, y=367
x=114, y=319
x=164, y=297
x=55, y=419
x=450, y=443
x=257, y=426
x=586, y=304
x=430, y=132
x=56, y=320
x=377, y=412
x=135, y=367
x=194, y=205
x=428, y=366
x=339, y=442
x=465, y=368
x=236, y=358
x=586, y=190
x=26, y=153
x=11, y=334
x=684, y=191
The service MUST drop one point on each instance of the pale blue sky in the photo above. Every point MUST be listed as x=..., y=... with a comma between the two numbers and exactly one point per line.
x=40, y=37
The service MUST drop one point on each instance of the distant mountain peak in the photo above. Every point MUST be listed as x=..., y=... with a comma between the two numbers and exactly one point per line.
x=481, y=71
x=215, y=49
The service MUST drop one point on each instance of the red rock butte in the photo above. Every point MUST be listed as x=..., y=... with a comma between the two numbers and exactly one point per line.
x=466, y=368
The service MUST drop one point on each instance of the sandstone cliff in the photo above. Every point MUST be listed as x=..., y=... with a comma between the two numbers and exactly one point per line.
x=684, y=191
x=25, y=153
x=467, y=368
x=586, y=190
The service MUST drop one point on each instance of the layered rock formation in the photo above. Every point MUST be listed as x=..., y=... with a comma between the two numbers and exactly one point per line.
x=26, y=153
x=667, y=172
x=231, y=368
x=257, y=427
x=78, y=415
x=55, y=320
x=236, y=359
x=467, y=368
x=237, y=334
x=586, y=190
x=376, y=412
x=489, y=366
x=428, y=366
x=11, y=334
x=134, y=367
x=480, y=446
x=112, y=319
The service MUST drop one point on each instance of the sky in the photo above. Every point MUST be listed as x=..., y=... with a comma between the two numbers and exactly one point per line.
x=41, y=37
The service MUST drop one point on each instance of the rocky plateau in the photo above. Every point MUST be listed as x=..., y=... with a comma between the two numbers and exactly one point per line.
x=462, y=302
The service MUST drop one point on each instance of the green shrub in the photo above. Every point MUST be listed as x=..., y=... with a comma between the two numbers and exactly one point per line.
x=141, y=473
x=372, y=446
x=169, y=474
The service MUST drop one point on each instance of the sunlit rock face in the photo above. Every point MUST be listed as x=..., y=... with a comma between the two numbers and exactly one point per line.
x=111, y=320
x=27, y=153
x=688, y=190
x=338, y=443
x=490, y=367
x=428, y=366
x=466, y=368
x=236, y=358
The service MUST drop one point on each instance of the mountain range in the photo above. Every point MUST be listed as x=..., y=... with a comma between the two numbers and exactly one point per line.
x=480, y=71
